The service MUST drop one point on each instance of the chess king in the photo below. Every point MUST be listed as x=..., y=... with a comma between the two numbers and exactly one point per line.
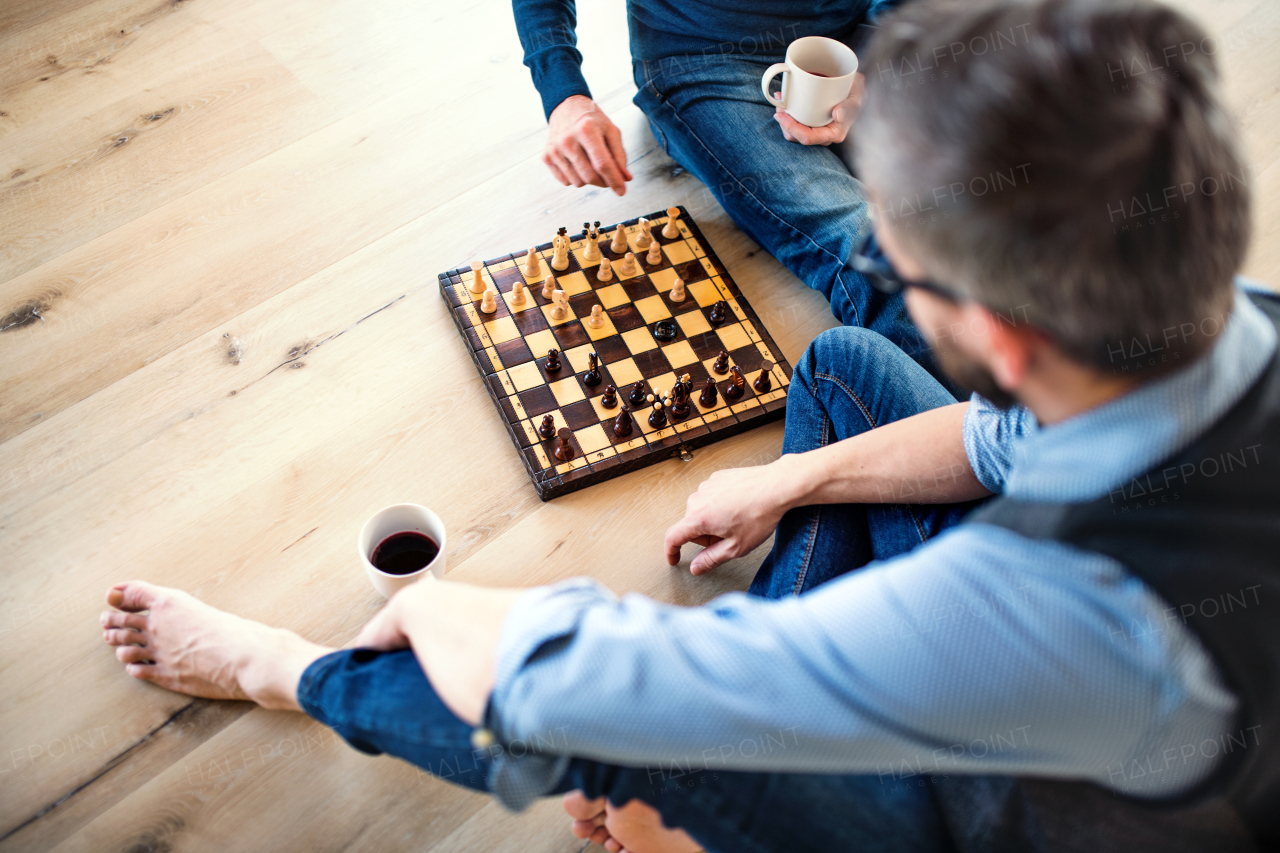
x=1043, y=618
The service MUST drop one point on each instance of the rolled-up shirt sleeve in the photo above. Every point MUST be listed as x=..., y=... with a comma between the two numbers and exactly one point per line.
x=547, y=35
x=991, y=435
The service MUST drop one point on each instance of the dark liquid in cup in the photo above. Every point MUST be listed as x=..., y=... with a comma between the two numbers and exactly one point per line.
x=819, y=74
x=404, y=553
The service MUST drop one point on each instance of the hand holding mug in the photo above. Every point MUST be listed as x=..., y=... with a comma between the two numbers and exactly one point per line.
x=821, y=91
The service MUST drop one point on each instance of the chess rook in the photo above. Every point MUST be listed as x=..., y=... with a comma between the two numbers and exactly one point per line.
x=477, y=280
x=764, y=382
x=671, y=231
x=564, y=447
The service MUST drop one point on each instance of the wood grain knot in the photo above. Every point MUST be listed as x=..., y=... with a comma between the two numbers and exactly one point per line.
x=23, y=316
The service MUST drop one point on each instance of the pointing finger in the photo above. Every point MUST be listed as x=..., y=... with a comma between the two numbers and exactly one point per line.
x=613, y=137
x=581, y=164
x=603, y=162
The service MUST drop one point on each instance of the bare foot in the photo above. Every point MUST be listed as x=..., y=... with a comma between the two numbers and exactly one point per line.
x=169, y=637
x=634, y=828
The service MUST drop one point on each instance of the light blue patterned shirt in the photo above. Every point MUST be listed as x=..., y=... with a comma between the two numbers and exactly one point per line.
x=979, y=652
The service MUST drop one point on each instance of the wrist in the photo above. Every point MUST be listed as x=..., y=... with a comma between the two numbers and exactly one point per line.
x=797, y=480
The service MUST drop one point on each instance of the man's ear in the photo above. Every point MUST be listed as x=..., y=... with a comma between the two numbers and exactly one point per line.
x=1009, y=347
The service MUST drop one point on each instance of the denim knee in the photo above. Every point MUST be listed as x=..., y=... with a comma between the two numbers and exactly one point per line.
x=836, y=352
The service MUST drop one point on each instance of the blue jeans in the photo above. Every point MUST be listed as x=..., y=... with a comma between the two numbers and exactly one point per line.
x=799, y=202
x=848, y=381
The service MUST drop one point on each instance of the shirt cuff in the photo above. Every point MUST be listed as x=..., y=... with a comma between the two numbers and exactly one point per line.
x=557, y=74
x=526, y=768
x=989, y=437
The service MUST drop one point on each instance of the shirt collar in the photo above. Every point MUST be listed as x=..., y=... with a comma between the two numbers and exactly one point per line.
x=1086, y=456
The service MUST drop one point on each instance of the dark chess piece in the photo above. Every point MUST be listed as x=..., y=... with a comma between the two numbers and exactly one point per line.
x=719, y=313
x=679, y=402
x=664, y=331
x=592, y=377
x=564, y=448
x=609, y=398
x=687, y=384
x=658, y=419
x=548, y=428
x=709, y=395
x=637, y=394
x=721, y=367
x=552, y=364
x=737, y=384
x=764, y=381
x=622, y=424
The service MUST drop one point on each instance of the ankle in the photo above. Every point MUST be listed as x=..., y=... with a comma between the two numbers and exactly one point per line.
x=270, y=673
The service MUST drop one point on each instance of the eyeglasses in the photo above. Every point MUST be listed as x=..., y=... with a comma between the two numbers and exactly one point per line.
x=871, y=262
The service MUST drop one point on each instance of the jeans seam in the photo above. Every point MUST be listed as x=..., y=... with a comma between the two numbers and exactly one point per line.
x=813, y=530
x=866, y=413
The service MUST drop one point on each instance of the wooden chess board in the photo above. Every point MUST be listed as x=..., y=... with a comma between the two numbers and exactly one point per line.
x=509, y=347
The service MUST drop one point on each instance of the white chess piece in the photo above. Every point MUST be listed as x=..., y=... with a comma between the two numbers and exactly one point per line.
x=677, y=290
x=489, y=303
x=671, y=231
x=561, y=309
x=596, y=320
x=645, y=237
x=532, y=264
x=606, y=270
x=517, y=294
x=548, y=286
x=619, y=243
x=477, y=280
x=628, y=265
x=560, y=253
x=591, y=248
x=655, y=254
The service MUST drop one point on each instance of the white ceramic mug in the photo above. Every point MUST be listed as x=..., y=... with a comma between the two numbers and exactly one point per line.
x=384, y=524
x=817, y=75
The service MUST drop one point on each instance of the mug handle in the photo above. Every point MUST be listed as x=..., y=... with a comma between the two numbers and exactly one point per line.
x=774, y=70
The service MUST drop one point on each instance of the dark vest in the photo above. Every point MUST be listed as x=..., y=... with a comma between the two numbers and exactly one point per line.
x=1203, y=530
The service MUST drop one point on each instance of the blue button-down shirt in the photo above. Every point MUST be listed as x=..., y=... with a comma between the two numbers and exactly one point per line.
x=978, y=652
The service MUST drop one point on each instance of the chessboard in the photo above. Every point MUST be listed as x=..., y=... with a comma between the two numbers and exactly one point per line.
x=643, y=337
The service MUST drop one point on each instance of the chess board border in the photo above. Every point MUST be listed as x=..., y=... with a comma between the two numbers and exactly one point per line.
x=555, y=487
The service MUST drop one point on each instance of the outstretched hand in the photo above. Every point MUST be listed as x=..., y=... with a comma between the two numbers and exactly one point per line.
x=730, y=515
x=585, y=147
x=842, y=117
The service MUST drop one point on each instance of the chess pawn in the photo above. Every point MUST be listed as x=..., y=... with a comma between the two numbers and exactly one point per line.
x=489, y=302
x=477, y=280
x=637, y=394
x=764, y=381
x=532, y=263
x=628, y=265
x=677, y=291
x=609, y=399
x=592, y=377
x=645, y=237
x=737, y=384
x=719, y=313
x=622, y=424
x=671, y=231
x=596, y=320
x=658, y=419
x=605, y=273
x=655, y=254
x=548, y=286
x=561, y=309
x=619, y=243
x=552, y=364
x=564, y=450
x=548, y=428
x=721, y=366
x=517, y=294
x=707, y=399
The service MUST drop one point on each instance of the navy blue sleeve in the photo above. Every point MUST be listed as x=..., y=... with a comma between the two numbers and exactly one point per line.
x=546, y=29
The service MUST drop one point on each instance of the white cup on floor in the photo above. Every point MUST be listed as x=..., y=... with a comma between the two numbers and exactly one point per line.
x=817, y=75
x=386, y=523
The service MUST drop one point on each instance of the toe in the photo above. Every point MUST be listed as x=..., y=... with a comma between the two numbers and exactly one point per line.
x=578, y=806
x=116, y=619
x=124, y=637
x=612, y=845
x=133, y=654
x=134, y=596
x=144, y=671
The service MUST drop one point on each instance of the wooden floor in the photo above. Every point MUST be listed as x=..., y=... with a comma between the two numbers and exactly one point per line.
x=293, y=174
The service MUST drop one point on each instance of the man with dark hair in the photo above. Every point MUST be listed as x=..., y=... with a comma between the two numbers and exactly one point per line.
x=697, y=67
x=1090, y=661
